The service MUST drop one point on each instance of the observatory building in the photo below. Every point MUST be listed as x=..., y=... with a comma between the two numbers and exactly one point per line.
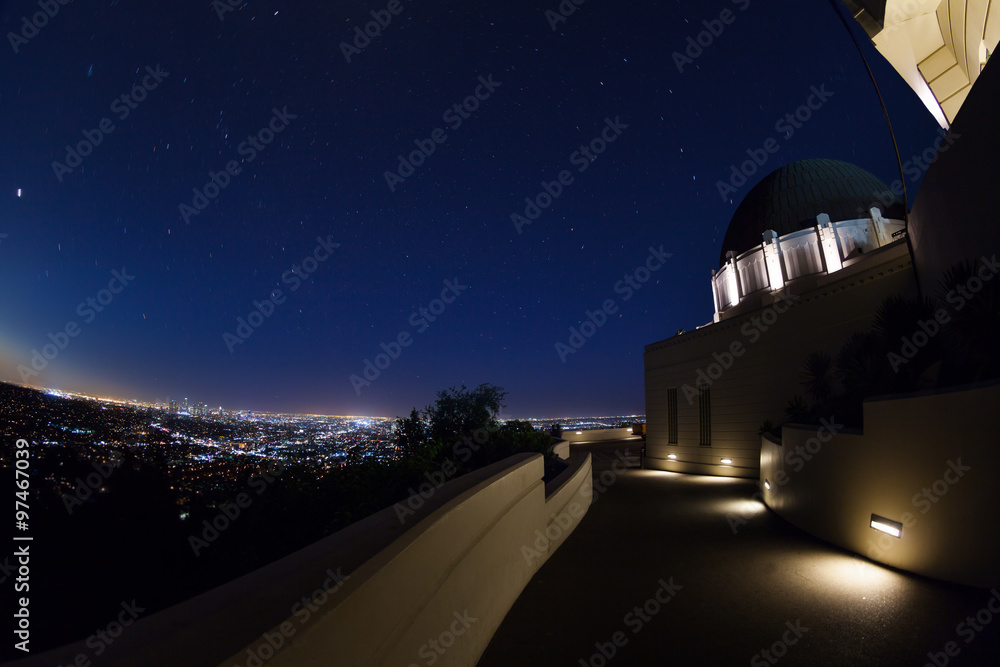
x=810, y=253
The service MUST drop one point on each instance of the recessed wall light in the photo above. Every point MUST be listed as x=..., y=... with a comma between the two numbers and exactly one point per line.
x=671, y=456
x=767, y=485
x=887, y=526
x=727, y=461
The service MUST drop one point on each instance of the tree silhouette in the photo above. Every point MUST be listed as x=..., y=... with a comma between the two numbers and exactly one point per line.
x=459, y=412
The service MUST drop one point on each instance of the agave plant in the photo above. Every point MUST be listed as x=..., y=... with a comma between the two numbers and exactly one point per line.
x=897, y=316
x=901, y=324
x=862, y=366
x=799, y=410
x=818, y=376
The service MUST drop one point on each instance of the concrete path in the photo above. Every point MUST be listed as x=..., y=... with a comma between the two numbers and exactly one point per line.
x=656, y=575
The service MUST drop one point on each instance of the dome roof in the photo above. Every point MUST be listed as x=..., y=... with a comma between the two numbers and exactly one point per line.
x=789, y=199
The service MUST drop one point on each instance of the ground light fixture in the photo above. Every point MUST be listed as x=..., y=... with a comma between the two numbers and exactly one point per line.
x=887, y=526
x=727, y=461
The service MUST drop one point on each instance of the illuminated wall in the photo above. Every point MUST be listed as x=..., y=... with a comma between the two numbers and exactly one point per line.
x=939, y=47
x=925, y=464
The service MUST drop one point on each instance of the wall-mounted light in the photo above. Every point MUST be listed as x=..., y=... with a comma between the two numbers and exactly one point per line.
x=767, y=485
x=671, y=456
x=887, y=526
x=579, y=432
x=727, y=461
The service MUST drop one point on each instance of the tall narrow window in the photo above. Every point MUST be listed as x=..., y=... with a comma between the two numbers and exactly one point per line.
x=672, y=416
x=705, y=416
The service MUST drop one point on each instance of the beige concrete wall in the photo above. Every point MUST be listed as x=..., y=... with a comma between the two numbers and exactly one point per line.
x=569, y=495
x=561, y=449
x=926, y=461
x=760, y=381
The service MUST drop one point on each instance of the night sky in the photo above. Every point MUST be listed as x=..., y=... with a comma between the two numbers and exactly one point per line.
x=312, y=183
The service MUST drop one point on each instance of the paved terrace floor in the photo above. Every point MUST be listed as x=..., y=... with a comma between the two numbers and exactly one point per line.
x=739, y=594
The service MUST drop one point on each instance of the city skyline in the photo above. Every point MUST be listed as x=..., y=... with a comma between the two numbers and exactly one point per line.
x=165, y=404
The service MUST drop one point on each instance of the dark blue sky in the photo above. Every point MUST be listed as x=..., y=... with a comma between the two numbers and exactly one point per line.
x=515, y=295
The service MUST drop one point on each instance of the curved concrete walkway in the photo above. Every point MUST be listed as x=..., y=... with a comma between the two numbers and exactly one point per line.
x=733, y=590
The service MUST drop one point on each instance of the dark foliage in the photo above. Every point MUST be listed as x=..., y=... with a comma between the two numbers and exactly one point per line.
x=914, y=344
